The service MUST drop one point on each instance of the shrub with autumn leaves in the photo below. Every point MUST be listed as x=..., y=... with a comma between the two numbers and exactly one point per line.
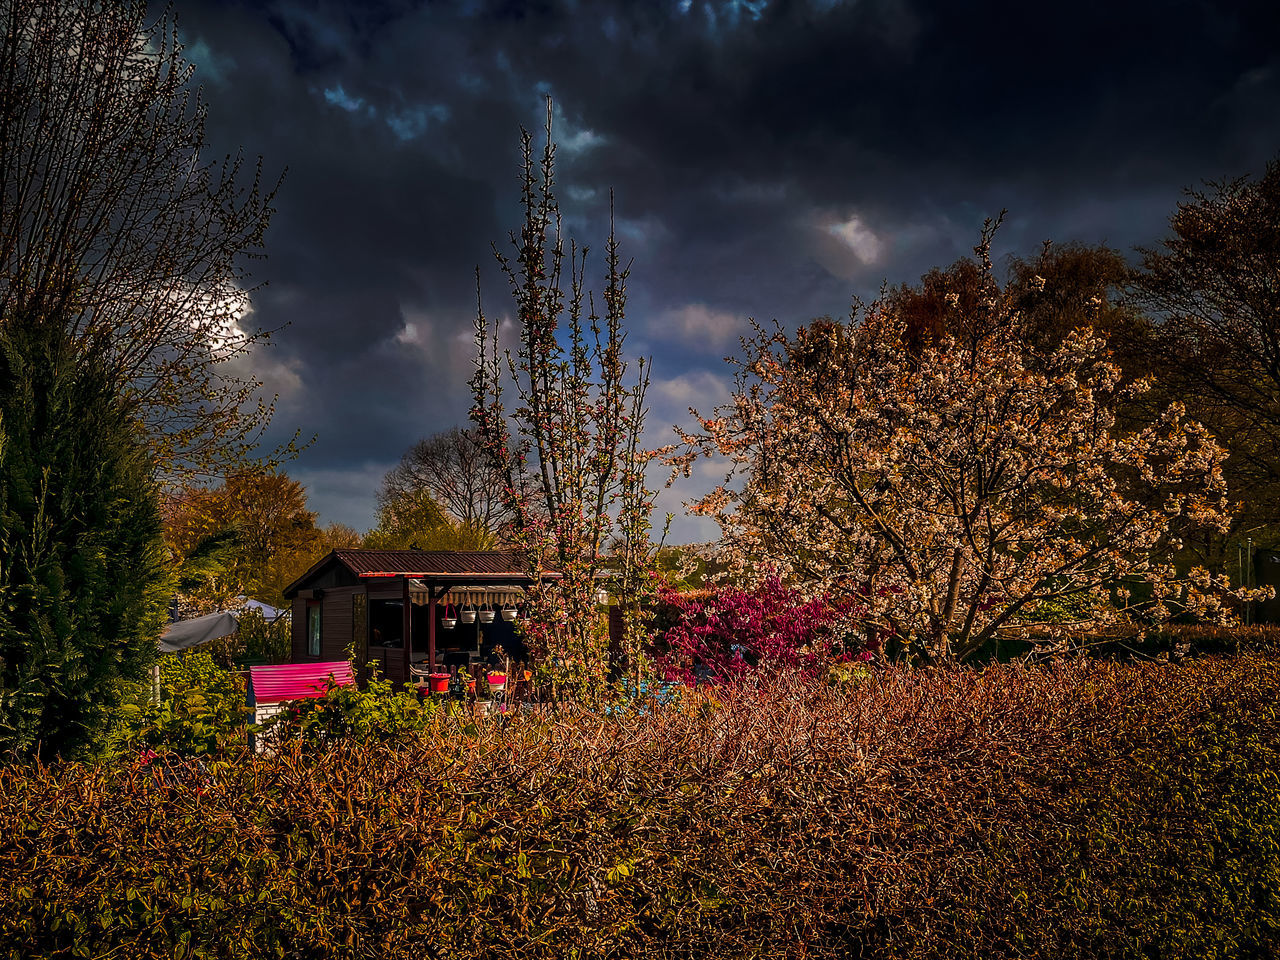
x=1083, y=809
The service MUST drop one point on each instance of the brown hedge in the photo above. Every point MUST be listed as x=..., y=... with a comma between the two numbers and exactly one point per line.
x=1093, y=809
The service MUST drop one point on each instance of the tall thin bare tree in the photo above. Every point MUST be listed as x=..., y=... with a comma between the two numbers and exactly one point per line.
x=573, y=472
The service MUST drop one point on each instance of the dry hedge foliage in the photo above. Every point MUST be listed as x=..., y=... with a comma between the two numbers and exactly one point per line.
x=1087, y=808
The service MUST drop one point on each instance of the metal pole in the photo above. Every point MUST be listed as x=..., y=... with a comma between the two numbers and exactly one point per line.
x=1248, y=615
x=1240, y=568
x=431, y=628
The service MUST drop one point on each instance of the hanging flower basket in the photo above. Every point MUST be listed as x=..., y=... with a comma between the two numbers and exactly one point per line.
x=468, y=615
x=486, y=615
x=509, y=612
x=450, y=621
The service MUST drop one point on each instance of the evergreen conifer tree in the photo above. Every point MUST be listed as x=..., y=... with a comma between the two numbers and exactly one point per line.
x=82, y=575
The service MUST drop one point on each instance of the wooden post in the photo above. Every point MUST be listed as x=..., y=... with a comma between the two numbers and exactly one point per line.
x=408, y=631
x=431, y=627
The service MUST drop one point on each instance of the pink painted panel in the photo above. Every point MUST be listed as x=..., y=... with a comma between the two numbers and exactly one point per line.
x=297, y=681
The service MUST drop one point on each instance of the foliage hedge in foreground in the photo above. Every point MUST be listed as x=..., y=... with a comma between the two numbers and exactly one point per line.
x=1092, y=809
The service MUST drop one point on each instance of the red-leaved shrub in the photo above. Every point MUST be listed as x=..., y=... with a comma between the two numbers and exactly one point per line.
x=724, y=634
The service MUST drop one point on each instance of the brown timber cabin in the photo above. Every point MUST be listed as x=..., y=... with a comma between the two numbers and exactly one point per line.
x=389, y=606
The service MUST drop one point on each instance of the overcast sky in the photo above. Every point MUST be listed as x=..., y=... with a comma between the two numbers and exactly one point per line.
x=769, y=160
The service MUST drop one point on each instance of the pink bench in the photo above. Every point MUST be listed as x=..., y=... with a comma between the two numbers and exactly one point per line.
x=273, y=685
x=276, y=683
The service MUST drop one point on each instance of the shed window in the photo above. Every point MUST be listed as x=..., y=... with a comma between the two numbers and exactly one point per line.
x=386, y=623
x=313, y=629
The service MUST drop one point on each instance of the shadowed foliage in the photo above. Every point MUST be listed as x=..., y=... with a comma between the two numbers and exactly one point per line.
x=1085, y=809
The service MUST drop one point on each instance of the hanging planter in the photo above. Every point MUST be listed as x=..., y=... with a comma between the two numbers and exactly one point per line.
x=486, y=614
x=450, y=620
x=468, y=614
x=509, y=612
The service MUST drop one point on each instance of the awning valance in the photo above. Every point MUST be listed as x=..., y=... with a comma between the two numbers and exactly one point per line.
x=469, y=594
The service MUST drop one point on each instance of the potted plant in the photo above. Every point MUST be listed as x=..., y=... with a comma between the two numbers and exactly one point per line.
x=439, y=682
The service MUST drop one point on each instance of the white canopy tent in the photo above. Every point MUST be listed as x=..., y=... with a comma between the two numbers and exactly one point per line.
x=185, y=634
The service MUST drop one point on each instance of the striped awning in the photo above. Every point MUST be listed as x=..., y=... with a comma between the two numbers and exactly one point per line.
x=464, y=595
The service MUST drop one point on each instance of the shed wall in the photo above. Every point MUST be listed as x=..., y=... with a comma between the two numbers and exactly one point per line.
x=336, y=623
x=298, y=630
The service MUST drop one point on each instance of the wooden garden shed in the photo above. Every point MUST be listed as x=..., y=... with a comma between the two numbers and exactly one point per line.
x=395, y=607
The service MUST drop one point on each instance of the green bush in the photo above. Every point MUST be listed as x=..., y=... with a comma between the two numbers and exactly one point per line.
x=375, y=712
x=256, y=640
x=1082, y=809
x=201, y=709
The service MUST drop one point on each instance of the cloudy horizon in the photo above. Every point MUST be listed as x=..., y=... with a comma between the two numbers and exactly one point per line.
x=769, y=159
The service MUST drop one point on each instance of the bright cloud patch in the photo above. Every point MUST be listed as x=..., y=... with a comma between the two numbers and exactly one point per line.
x=209, y=66
x=700, y=324
x=411, y=123
x=670, y=399
x=340, y=98
x=859, y=238
x=580, y=140
x=843, y=243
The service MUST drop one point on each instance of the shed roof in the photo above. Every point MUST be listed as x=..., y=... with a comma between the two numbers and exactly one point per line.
x=431, y=562
x=480, y=567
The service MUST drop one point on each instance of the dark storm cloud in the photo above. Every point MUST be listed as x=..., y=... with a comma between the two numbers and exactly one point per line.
x=769, y=159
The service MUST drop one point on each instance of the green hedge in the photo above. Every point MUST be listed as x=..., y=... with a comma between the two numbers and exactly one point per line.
x=1085, y=809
